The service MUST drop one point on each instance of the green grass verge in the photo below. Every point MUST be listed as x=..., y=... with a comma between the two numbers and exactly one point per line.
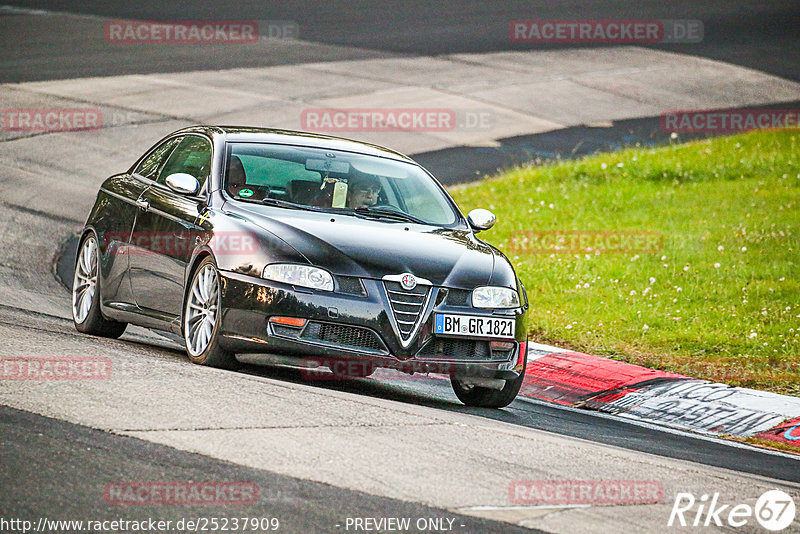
x=719, y=298
x=768, y=444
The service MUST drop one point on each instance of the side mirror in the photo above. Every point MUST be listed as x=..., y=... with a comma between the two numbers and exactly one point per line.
x=182, y=183
x=481, y=219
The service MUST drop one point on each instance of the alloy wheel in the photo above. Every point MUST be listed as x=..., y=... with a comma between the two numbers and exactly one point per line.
x=84, y=284
x=201, y=310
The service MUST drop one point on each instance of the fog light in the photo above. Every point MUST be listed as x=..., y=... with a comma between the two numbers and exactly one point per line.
x=289, y=321
x=501, y=345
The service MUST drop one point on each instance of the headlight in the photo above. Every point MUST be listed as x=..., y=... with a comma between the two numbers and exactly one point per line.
x=299, y=275
x=494, y=297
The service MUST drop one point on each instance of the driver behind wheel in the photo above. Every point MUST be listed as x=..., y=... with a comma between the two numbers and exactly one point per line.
x=363, y=191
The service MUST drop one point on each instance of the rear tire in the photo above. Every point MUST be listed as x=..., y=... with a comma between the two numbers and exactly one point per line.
x=86, y=313
x=202, y=309
x=487, y=397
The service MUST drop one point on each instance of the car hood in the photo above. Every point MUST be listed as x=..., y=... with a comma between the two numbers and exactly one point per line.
x=348, y=245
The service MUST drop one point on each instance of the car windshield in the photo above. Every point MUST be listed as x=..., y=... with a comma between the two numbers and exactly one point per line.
x=337, y=181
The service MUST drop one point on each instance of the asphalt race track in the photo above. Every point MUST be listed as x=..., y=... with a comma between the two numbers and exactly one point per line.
x=762, y=36
x=320, y=452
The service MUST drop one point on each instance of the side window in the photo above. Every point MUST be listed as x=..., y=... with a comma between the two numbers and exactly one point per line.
x=149, y=166
x=192, y=156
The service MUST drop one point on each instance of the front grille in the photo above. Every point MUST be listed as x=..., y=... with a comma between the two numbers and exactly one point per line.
x=406, y=306
x=343, y=336
x=456, y=349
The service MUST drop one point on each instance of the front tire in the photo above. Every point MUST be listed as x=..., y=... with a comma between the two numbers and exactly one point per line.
x=487, y=397
x=86, y=313
x=202, y=310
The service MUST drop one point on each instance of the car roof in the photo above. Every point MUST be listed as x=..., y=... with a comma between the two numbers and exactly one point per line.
x=292, y=137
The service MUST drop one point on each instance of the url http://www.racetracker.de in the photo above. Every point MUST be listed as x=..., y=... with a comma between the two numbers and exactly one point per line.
x=196, y=524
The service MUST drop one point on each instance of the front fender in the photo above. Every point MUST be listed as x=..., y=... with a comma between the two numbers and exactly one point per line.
x=238, y=245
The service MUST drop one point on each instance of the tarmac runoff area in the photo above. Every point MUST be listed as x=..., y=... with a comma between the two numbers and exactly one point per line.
x=458, y=100
x=338, y=438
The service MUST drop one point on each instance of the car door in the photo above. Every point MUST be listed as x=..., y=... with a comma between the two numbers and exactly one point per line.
x=165, y=231
x=116, y=213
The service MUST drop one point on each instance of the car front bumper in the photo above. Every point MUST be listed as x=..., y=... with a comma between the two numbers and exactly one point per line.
x=349, y=326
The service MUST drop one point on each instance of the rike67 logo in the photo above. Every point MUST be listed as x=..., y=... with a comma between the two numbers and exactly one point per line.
x=774, y=510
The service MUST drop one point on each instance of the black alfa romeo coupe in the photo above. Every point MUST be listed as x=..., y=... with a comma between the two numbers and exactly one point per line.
x=303, y=248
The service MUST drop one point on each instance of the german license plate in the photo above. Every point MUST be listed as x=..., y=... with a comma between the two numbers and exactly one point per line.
x=471, y=325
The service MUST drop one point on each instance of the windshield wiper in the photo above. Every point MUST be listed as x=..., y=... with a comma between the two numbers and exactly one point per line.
x=389, y=213
x=286, y=204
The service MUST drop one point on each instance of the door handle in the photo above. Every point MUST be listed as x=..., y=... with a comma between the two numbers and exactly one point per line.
x=143, y=204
